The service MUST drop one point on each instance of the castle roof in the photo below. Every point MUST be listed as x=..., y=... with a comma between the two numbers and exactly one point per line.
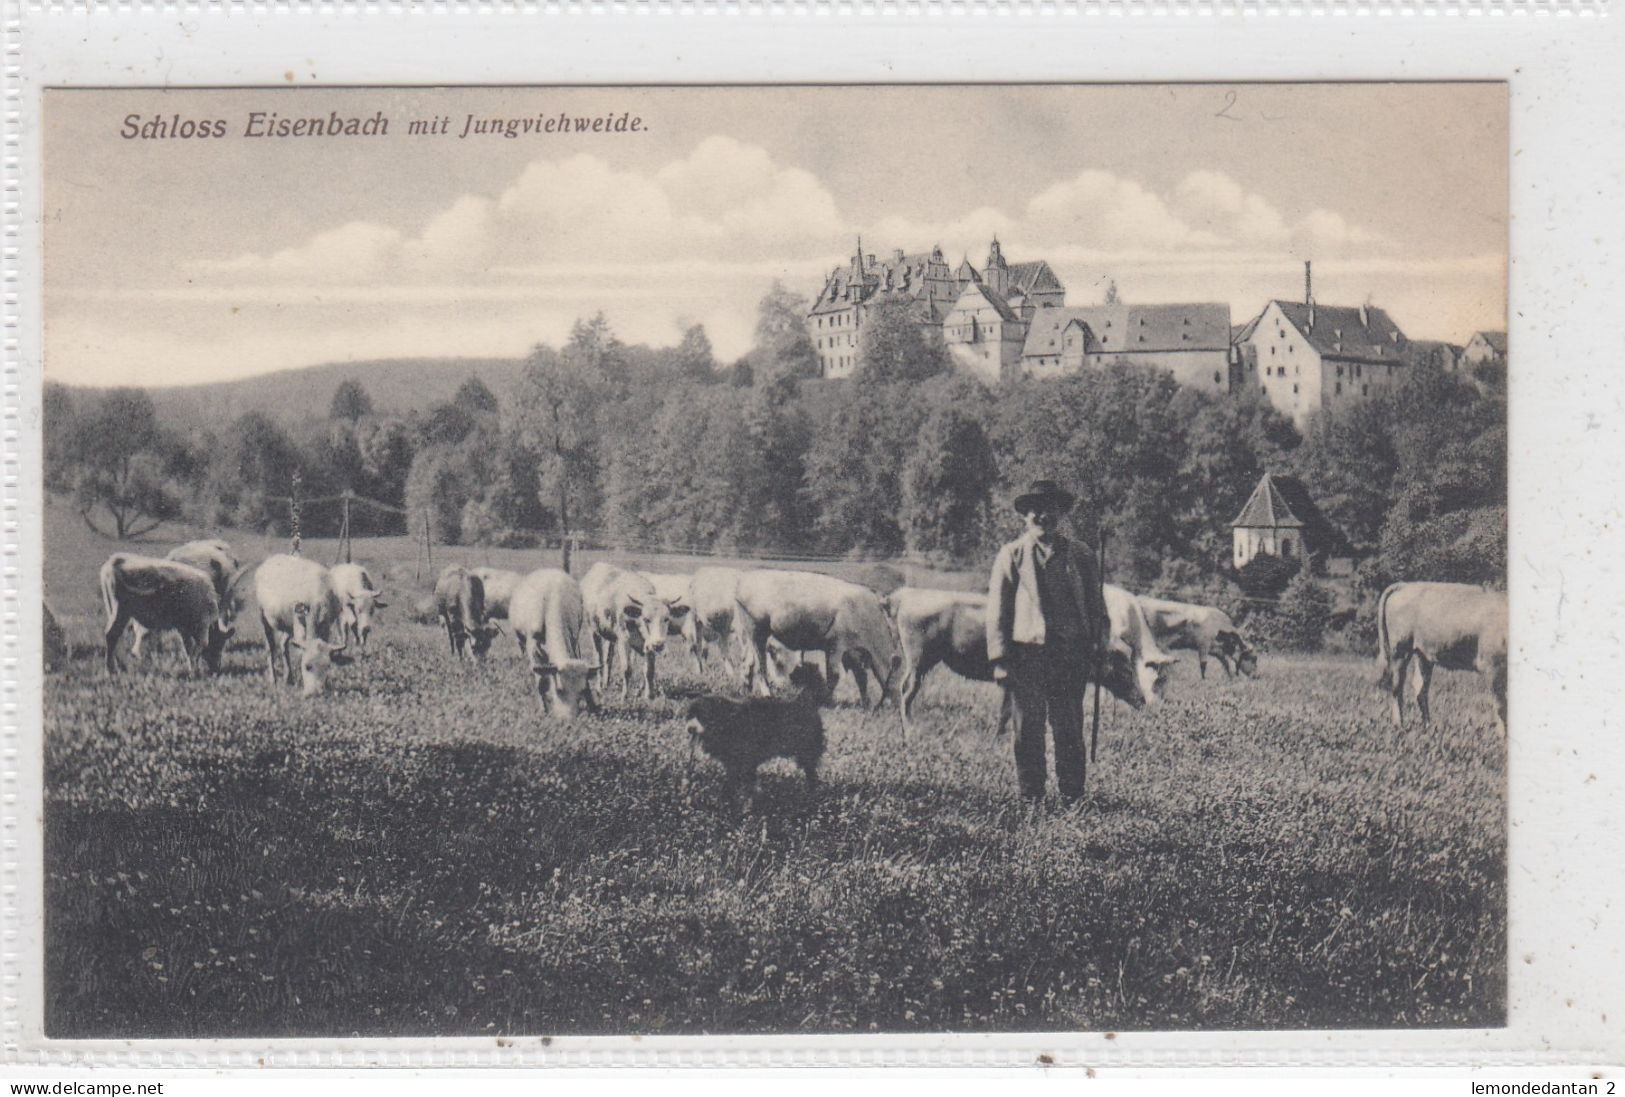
x=1348, y=334
x=1035, y=277
x=1267, y=507
x=1496, y=339
x=896, y=273
x=1133, y=329
x=976, y=295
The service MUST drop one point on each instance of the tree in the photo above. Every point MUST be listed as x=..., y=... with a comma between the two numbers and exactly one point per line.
x=350, y=401
x=118, y=465
x=894, y=346
x=554, y=419
x=784, y=350
x=251, y=473
x=436, y=493
x=695, y=360
x=948, y=483
x=595, y=354
x=475, y=397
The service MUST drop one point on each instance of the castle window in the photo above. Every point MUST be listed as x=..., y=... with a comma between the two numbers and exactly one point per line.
x=1294, y=390
x=1339, y=371
x=1216, y=379
x=1365, y=390
x=1272, y=350
x=1339, y=388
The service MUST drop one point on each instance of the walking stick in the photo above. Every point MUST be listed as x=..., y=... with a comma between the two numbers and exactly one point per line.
x=1100, y=650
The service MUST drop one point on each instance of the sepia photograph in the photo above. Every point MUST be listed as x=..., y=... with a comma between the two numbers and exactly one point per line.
x=775, y=559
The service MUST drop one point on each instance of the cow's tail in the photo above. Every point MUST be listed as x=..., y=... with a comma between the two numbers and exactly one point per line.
x=1385, y=654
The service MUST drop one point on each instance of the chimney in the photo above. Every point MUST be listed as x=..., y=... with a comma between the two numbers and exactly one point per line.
x=1308, y=285
x=1365, y=317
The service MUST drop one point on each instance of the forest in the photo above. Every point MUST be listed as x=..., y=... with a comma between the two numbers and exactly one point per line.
x=649, y=449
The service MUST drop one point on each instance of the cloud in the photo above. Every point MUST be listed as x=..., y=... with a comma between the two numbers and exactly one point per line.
x=725, y=200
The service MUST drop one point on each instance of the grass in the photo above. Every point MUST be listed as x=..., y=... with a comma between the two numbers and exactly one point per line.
x=420, y=852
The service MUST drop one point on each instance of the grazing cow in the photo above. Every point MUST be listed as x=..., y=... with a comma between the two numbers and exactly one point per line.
x=299, y=610
x=624, y=611
x=677, y=590
x=1183, y=626
x=946, y=626
x=549, y=620
x=711, y=596
x=1452, y=625
x=214, y=557
x=359, y=598
x=163, y=594
x=500, y=584
x=459, y=597
x=806, y=611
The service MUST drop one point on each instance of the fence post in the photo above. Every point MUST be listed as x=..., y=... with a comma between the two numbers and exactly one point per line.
x=344, y=525
x=293, y=511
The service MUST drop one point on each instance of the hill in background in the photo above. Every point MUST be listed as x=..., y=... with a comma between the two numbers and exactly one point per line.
x=396, y=386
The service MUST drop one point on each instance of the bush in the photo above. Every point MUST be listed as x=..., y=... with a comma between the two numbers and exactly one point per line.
x=1302, y=614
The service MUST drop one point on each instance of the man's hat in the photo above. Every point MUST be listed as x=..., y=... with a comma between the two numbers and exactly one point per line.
x=1044, y=491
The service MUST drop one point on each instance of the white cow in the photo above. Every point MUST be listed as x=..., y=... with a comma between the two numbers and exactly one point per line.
x=212, y=556
x=1452, y=625
x=164, y=594
x=299, y=610
x=624, y=611
x=806, y=611
x=950, y=627
x=1184, y=626
x=359, y=599
x=711, y=596
x=678, y=590
x=549, y=620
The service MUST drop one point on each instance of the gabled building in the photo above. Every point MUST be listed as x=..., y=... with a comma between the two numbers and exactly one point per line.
x=985, y=332
x=924, y=279
x=997, y=303
x=1484, y=346
x=1308, y=357
x=1190, y=341
x=1281, y=519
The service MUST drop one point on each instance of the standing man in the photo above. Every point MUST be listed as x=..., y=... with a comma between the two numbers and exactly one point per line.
x=1046, y=620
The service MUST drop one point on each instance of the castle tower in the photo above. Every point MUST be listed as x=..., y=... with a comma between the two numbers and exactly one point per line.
x=996, y=271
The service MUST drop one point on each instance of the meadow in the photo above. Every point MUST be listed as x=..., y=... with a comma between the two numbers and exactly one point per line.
x=421, y=852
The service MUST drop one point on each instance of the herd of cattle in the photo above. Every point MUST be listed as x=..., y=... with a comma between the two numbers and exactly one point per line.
x=571, y=632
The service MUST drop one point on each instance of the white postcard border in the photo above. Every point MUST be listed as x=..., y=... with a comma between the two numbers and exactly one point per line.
x=1567, y=971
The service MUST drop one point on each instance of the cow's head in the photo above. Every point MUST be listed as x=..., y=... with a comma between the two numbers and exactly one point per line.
x=480, y=636
x=649, y=621
x=1240, y=652
x=1138, y=681
x=317, y=658
x=362, y=605
x=215, y=647
x=564, y=686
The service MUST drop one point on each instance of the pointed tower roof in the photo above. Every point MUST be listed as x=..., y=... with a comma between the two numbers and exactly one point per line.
x=1267, y=508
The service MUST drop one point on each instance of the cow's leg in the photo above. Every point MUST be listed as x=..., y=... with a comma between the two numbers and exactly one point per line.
x=293, y=675
x=854, y=662
x=191, y=647
x=1398, y=669
x=115, y=633
x=756, y=662
x=1224, y=661
x=270, y=648
x=1201, y=664
x=649, y=675
x=138, y=636
x=1424, y=679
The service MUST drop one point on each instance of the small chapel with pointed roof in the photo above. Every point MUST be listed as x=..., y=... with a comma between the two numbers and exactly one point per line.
x=1281, y=519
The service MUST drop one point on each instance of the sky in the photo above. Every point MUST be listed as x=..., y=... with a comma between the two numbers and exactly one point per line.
x=172, y=260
